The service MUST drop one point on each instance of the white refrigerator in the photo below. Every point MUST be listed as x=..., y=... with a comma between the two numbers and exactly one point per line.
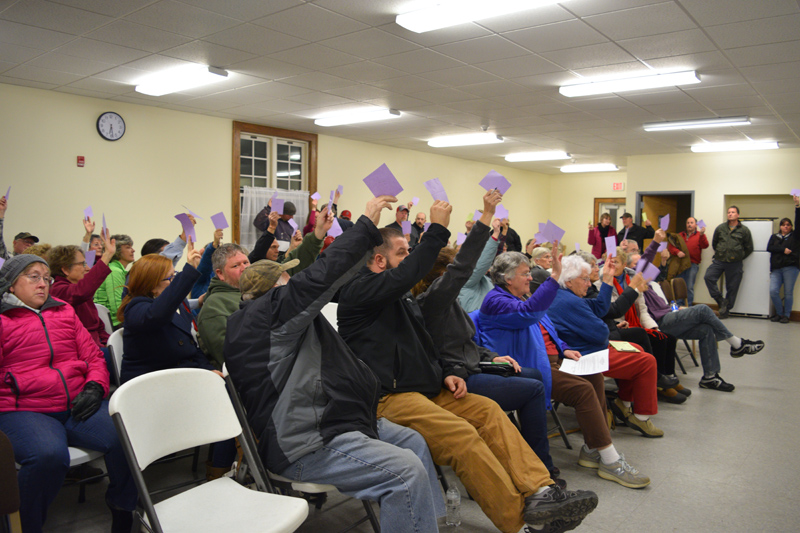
x=753, y=298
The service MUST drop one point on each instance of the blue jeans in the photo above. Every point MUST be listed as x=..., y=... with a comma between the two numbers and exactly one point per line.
x=40, y=443
x=698, y=322
x=689, y=276
x=523, y=393
x=785, y=276
x=396, y=471
x=733, y=277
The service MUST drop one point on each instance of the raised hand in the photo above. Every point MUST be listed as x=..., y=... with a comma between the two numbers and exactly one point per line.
x=660, y=236
x=490, y=201
x=557, y=256
x=608, y=270
x=376, y=205
x=192, y=256
x=217, y=238
x=638, y=282
x=440, y=213
x=88, y=225
x=273, y=221
x=109, y=246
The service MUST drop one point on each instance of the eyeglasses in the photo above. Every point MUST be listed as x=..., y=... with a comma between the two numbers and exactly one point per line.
x=36, y=278
x=84, y=263
x=169, y=278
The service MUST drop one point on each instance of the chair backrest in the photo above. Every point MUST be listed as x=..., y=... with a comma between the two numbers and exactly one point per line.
x=667, y=289
x=329, y=312
x=115, y=347
x=679, y=290
x=105, y=316
x=171, y=410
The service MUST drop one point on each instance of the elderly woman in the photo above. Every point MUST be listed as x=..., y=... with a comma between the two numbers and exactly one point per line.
x=579, y=322
x=598, y=234
x=110, y=292
x=51, y=395
x=541, y=263
x=452, y=332
x=510, y=324
x=76, y=283
x=784, y=249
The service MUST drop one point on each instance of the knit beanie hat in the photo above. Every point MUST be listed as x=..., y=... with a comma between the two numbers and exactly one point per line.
x=15, y=266
x=261, y=276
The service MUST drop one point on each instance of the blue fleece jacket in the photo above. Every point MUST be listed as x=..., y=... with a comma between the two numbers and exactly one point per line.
x=579, y=321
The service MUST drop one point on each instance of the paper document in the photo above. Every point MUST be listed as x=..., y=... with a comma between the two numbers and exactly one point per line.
x=622, y=346
x=591, y=363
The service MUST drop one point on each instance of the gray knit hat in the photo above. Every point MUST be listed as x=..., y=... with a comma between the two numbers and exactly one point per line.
x=15, y=266
x=261, y=276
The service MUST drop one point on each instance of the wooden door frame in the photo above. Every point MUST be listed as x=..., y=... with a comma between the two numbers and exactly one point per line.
x=598, y=201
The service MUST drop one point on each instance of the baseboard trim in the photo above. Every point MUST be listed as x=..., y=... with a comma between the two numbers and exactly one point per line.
x=794, y=316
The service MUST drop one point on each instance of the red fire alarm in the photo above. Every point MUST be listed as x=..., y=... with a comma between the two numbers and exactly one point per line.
x=81, y=161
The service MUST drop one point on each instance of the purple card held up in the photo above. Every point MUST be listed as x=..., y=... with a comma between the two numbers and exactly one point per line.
x=795, y=192
x=2, y=261
x=664, y=224
x=90, y=255
x=406, y=225
x=335, y=230
x=293, y=224
x=188, y=227
x=382, y=182
x=195, y=215
x=8, y=192
x=662, y=246
x=477, y=215
x=640, y=265
x=330, y=202
x=625, y=236
x=88, y=213
x=495, y=180
x=277, y=206
x=541, y=238
x=105, y=228
x=219, y=220
x=415, y=200
x=461, y=238
x=611, y=246
x=340, y=189
x=554, y=232
x=500, y=212
x=542, y=226
x=701, y=224
x=650, y=272
x=316, y=196
x=577, y=247
x=426, y=226
x=436, y=189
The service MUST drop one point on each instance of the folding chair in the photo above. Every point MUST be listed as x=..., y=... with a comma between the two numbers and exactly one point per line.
x=317, y=491
x=114, y=345
x=105, y=316
x=170, y=410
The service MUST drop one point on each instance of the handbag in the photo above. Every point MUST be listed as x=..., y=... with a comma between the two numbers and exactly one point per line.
x=499, y=369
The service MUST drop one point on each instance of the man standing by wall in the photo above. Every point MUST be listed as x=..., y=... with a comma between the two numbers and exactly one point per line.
x=632, y=232
x=732, y=244
x=696, y=242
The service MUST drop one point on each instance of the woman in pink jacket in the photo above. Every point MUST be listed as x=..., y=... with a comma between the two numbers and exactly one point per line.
x=598, y=234
x=53, y=379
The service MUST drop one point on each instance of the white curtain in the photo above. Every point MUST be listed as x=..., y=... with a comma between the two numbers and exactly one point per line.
x=254, y=199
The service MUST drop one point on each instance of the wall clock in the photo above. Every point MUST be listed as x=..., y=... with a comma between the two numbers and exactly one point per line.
x=110, y=126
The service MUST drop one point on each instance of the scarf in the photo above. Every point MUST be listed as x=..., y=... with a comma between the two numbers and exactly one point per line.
x=632, y=315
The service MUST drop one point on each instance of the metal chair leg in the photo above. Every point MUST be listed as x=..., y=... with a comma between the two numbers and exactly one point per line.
x=691, y=352
x=560, y=427
x=371, y=515
x=680, y=363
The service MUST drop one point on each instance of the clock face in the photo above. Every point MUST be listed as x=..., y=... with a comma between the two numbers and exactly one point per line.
x=110, y=126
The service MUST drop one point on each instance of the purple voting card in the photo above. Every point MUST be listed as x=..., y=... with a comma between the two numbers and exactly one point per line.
x=640, y=265
x=8, y=192
x=219, y=221
x=316, y=196
x=495, y=180
x=90, y=255
x=88, y=213
x=795, y=192
x=650, y=272
x=277, y=206
x=500, y=212
x=415, y=200
x=330, y=202
x=2, y=261
x=664, y=224
x=426, y=226
x=577, y=247
x=406, y=225
x=625, y=236
x=554, y=232
x=542, y=225
x=336, y=229
x=188, y=227
x=293, y=224
x=477, y=215
x=105, y=228
x=436, y=189
x=541, y=238
x=611, y=246
x=662, y=246
x=461, y=238
x=195, y=215
x=340, y=189
x=382, y=182
x=701, y=224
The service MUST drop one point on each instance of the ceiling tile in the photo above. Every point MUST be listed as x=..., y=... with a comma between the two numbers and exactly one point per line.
x=482, y=49
x=360, y=92
x=126, y=75
x=104, y=7
x=52, y=16
x=318, y=81
x=669, y=95
x=668, y=44
x=419, y=61
x=267, y=68
x=242, y=9
x=443, y=96
x=755, y=32
x=585, y=8
x=367, y=11
x=494, y=88
x=453, y=34
x=207, y=53
x=318, y=99
x=790, y=85
x=181, y=19
x=83, y=92
x=589, y=56
x=557, y=36
x=765, y=54
x=703, y=62
x=526, y=19
x=43, y=75
x=517, y=67
x=711, y=12
x=23, y=35
x=454, y=77
x=315, y=57
x=369, y=44
x=396, y=101
x=310, y=22
x=157, y=63
x=71, y=64
x=775, y=71
x=365, y=71
x=547, y=82
x=137, y=36
x=255, y=39
x=104, y=86
x=100, y=51
x=27, y=83
x=406, y=84
x=13, y=53
x=641, y=21
x=273, y=90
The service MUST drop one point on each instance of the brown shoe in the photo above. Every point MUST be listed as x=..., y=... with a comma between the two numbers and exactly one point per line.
x=671, y=396
x=646, y=428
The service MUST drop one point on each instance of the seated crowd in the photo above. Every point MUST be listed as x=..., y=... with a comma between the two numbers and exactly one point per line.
x=433, y=343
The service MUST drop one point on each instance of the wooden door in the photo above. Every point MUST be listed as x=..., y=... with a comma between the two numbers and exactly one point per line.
x=656, y=207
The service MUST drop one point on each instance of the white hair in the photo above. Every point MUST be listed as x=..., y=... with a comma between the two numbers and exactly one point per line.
x=572, y=267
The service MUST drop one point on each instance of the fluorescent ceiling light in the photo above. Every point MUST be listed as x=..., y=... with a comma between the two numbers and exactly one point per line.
x=536, y=156
x=718, y=122
x=452, y=12
x=356, y=117
x=467, y=139
x=180, y=79
x=734, y=146
x=594, y=167
x=630, y=84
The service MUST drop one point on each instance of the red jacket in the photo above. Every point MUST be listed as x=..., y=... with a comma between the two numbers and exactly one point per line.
x=598, y=242
x=696, y=244
x=81, y=297
x=46, y=358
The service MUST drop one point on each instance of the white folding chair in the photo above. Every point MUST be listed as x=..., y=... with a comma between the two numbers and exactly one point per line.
x=114, y=345
x=105, y=316
x=170, y=410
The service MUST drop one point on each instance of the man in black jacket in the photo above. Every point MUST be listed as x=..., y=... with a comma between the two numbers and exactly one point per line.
x=382, y=323
x=310, y=401
x=633, y=232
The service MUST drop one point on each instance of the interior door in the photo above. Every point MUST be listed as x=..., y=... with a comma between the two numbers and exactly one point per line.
x=656, y=207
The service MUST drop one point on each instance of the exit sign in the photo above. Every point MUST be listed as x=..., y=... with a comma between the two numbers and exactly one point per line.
x=618, y=186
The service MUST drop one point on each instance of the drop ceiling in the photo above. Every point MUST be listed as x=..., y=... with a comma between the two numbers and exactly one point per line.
x=292, y=61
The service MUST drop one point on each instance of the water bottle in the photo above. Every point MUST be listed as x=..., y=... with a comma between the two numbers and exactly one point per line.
x=674, y=305
x=453, y=507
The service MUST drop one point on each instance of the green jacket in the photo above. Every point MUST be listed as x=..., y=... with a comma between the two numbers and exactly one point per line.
x=732, y=245
x=306, y=252
x=221, y=301
x=110, y=292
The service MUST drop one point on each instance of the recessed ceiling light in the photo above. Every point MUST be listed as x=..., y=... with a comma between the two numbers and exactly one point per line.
x=467, y=139
x=630, y=84
x=180, y=79
x=734, y=146
x=717, y=122
x=452, y=12
x=537, y=156
x=593, y=167
x=356, y=117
